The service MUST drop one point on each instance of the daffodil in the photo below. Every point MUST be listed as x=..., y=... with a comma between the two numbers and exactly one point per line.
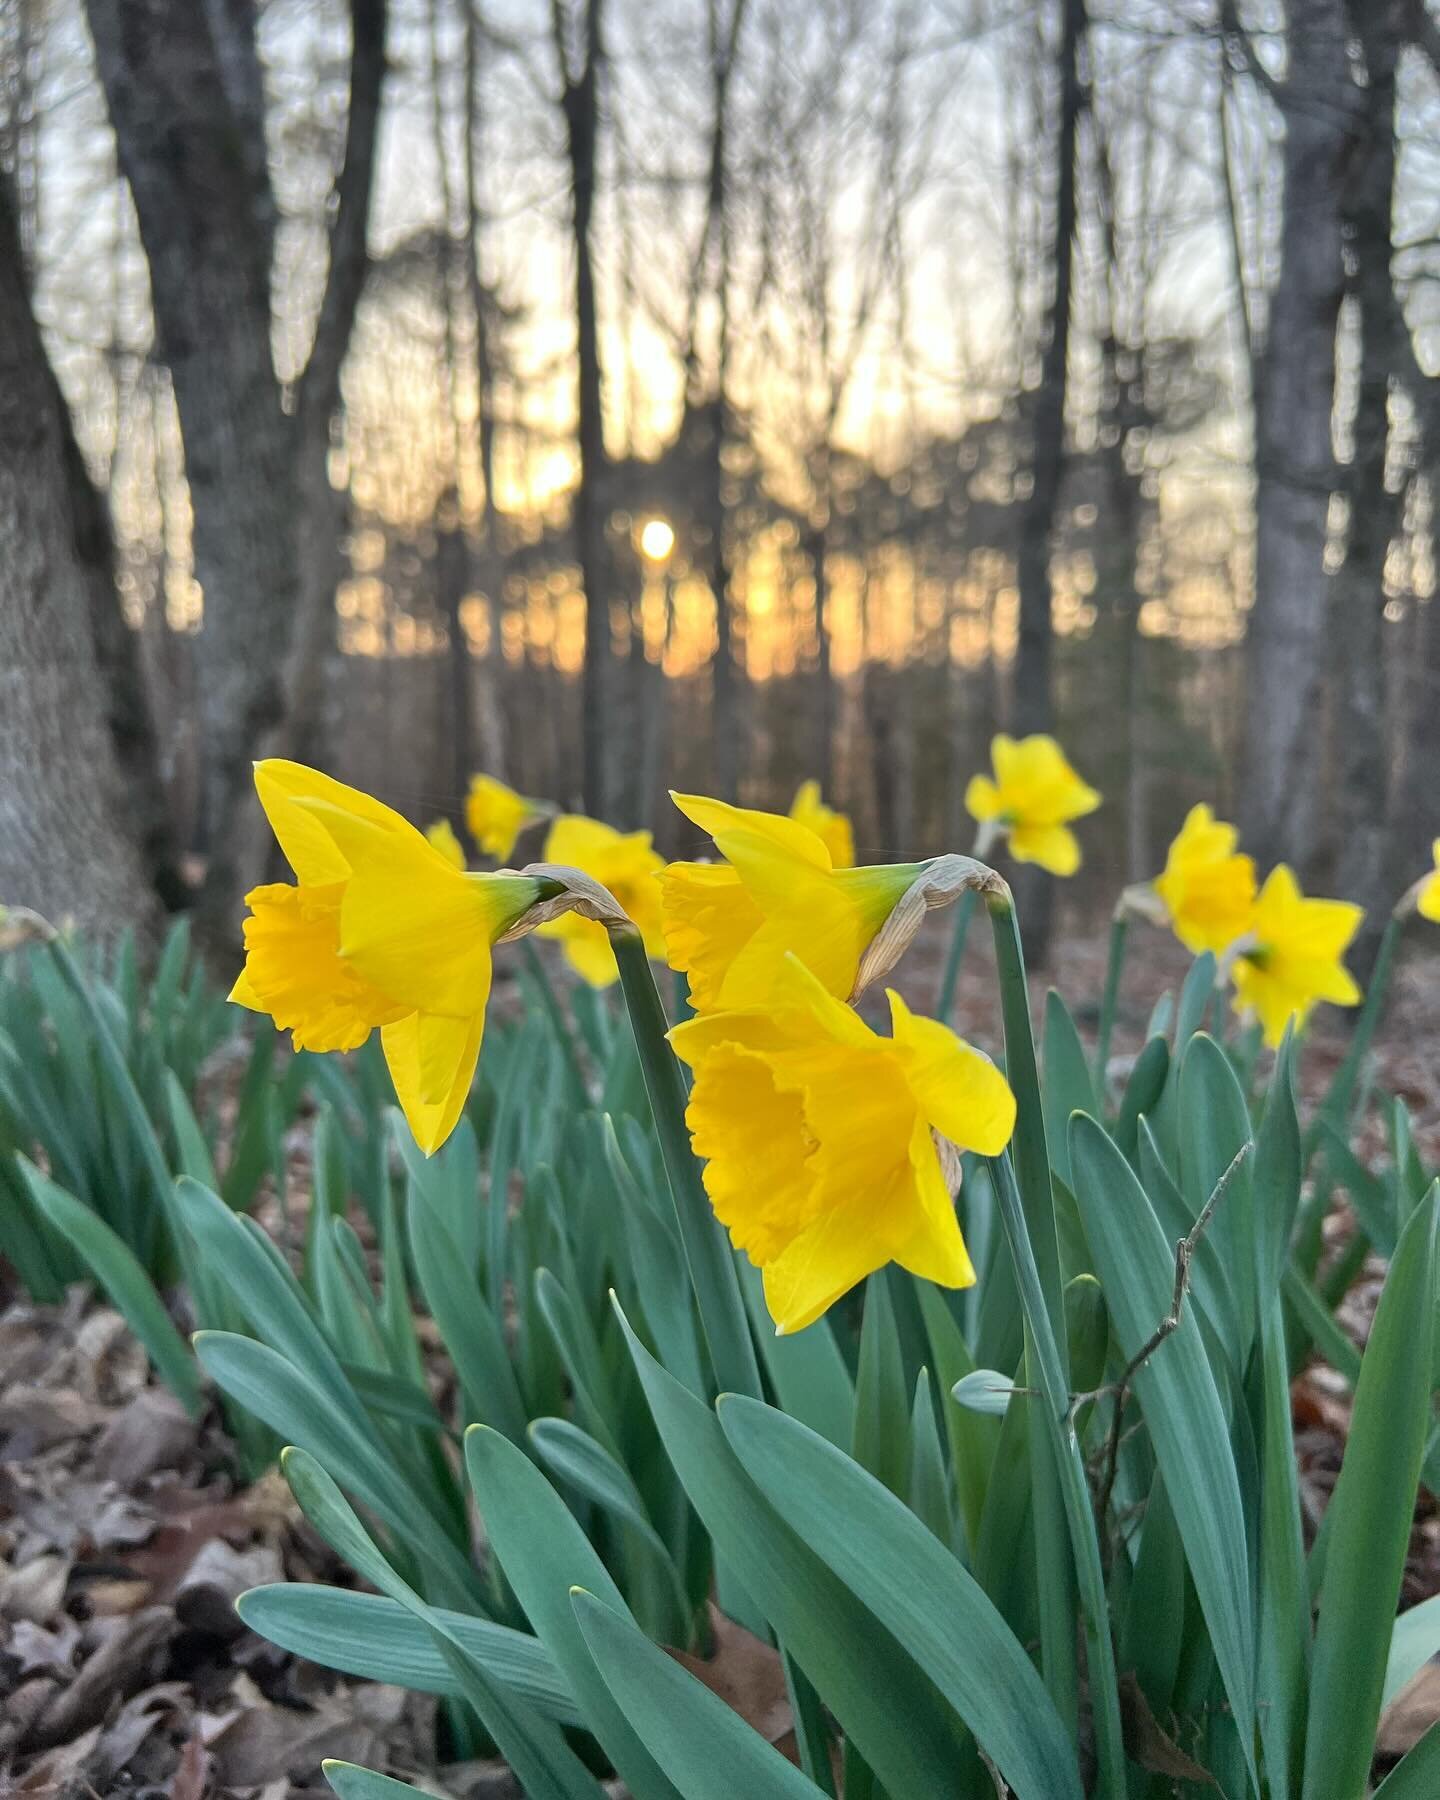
x=1208, y=889
x=1031, y=800
x=1290, y=957
x=832, y=828
x=495, y=815
x=729, y=926
x=380, y=931
x=624, y=863
x=441, y=836
x=1427, y=900
x=822, y=1139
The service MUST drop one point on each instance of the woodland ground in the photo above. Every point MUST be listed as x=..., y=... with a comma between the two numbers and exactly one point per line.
x=126, y=1532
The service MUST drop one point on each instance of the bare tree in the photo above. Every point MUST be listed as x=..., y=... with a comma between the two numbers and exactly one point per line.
x=1294, y=406
x=579, y=43
x=65, y=849
x=1047, y=438
x=1374, y=502
x=186, y=98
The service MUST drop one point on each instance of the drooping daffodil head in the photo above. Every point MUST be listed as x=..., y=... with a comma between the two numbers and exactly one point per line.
x=1208, y=888
x=380, y=931
x=823, y=1139
x=1427, y=898
x=832, y=828
x=729, y=926
x=441, y=836
x=623, y=862
x=1031, y=800
x=1292, y=956
x=495, y=815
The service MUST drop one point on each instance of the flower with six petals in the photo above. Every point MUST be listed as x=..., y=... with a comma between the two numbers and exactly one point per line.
x=379, y=931
x=821, y=1139
x=1208, y=889
x=624, y=863
x=728, y=926
x=1290, y=957
x=1031, y=800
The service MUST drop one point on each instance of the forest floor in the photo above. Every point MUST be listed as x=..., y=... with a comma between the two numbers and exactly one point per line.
x=126, y=1531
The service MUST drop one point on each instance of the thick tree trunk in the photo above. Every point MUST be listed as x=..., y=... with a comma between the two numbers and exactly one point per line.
x=1032, y=711
x=65, y=846
x=183, y=87
x=1293, y=452
x=1363, y=736
x=581, y=101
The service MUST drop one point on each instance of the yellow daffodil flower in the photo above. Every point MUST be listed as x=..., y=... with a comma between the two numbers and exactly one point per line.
x=441, y=836
x=1032, y=799
x=1291, y=955
x=624, y=863
x=495, y=815
x=820, y=1139
x=382, y=931
x=1207, y=888
x=832, y=828
x=728, y=926
x=1427, y=901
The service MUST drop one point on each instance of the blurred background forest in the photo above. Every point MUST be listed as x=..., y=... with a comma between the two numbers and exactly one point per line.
x=623, y=394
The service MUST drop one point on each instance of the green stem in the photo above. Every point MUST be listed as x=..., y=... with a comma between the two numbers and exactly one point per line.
x=1029, y=1148
x=1110, y=1000
x=559, y=1024
x=1045, y=1371
x=964, y=912
x=707, y=1248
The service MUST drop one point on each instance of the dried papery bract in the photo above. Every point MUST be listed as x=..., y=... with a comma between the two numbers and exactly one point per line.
x=569, y=891
x=939, y=883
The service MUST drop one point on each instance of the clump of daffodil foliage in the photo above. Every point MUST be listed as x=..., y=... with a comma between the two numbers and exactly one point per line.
x=956, y=1374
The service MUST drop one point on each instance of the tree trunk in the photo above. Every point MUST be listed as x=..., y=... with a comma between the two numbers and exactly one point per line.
x=1293, y=452
x=581, y=102
x=65, y=847
x=1033, y=711
x=182, y=83
x=1359, y=602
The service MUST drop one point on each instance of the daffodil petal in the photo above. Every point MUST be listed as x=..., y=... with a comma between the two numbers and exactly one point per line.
x=959, y=1091
x=1053, y=847
x=933, y=1246
x=724, y=821
x=432, y=1064
x=586, y=944
x=309, y=848
x=294, y=970
x=839, y=1250
x=708, y=918
x=413, y=926
x=982, y=799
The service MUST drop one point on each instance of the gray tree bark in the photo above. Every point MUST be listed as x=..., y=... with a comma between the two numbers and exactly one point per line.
x=1035, y=891
x=183, y=87
x=1294, y=457
x=580, y=103
x=1363, y=738
x=65, y=846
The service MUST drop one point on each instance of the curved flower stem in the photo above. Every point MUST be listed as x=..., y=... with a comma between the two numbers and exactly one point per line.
x=707, y=1248
x=964, y=912
x=1110, y=1000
